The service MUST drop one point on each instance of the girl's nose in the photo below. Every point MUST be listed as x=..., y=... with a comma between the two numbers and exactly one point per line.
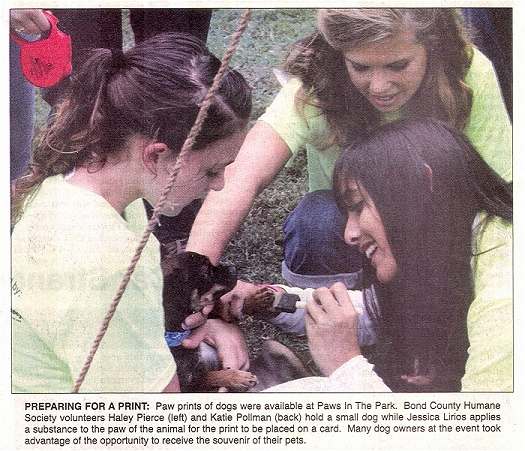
x=352, y=230
x=379, y=83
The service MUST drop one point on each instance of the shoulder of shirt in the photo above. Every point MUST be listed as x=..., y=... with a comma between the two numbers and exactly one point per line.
x=480, y=66
x=68, y=217
x=491, y=233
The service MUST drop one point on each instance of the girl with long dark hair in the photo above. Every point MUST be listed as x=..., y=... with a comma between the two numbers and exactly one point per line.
x=412, y=193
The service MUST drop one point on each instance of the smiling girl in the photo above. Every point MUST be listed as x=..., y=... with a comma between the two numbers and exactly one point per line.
x=80, y=216
x=361, y=68
x=411, y=194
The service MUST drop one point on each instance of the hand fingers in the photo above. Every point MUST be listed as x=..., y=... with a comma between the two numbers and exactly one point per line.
x=232, y=354
x=198, y=318
x=193, y=321
x=30, y=21
x=40, y=22
x=342, y=297
x=232, y=304
x=314, y=306
x=194, y=340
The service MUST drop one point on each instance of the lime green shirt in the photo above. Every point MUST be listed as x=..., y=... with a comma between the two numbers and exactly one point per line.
x=69, y=252
x=488, y=126
x=489, y=321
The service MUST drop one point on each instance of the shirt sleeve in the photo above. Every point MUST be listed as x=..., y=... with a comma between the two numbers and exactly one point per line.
x=285, y=118
x=133, y=355
x=356, y=375
x=489, y=322
x=488, y=127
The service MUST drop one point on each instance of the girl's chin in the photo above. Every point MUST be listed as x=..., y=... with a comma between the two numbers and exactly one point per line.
x=173, y=210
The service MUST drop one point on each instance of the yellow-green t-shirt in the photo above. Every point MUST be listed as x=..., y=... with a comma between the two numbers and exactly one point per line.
x=489, y=321
x=488, y=126
x=69, y=252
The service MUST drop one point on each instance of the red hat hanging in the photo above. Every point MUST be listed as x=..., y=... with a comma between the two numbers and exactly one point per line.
x=47, y=61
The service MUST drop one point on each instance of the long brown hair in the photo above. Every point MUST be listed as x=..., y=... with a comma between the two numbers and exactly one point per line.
x=318, y=61
x=154, y=89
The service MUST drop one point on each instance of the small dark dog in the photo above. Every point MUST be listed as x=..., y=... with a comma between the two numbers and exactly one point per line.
x=190, y=283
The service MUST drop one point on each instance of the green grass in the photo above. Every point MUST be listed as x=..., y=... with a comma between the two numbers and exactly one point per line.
x=256, y=249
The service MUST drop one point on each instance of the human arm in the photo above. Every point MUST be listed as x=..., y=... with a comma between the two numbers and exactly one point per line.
x=331, y=327
x=260, y=158
x=331, y=324
x=244, y=299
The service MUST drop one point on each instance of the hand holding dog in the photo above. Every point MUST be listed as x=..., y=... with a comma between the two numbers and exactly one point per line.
x=232, y=303
x=226, y=338
x=331, y=327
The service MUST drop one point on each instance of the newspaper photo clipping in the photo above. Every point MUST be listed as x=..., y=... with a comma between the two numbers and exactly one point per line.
x=327, y=417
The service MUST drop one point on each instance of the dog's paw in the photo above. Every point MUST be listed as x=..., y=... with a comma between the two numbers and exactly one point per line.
x=232, y=380
x=240, y=380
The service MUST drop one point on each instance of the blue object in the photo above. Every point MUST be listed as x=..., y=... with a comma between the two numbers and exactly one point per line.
x=21, y=110
x=175, y=339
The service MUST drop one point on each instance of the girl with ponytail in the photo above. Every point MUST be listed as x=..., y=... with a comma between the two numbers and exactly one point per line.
x=78, y=212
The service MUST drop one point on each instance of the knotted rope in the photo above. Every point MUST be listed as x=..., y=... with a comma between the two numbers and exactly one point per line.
x=173, y=172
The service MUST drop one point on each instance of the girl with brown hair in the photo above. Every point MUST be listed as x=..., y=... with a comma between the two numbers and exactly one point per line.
x=79, y=212
x=361, y=68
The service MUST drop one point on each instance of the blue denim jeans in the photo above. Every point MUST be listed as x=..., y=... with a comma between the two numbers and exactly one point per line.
x=21, y=110
x=315, y=253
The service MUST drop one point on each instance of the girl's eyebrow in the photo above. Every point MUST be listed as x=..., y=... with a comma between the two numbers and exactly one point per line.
x=403, y=60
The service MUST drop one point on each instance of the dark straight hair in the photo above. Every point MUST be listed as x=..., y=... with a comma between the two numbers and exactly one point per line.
x=428, y=222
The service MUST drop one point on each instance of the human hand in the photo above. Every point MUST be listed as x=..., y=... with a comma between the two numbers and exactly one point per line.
x=230, y=306
x=331, y=328
x=29, y=21
x=232, y=303
x=226, y=338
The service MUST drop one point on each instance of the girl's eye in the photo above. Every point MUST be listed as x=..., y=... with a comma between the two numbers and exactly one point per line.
x=398, y=66
x=359, y=67
x=356, y=207
x=211, y=174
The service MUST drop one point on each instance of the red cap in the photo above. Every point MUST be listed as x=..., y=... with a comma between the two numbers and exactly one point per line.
x=47, y=61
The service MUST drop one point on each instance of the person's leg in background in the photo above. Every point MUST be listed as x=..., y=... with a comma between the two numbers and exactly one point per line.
x=315, y=253
x=149, y=22
x=88, y=28
x=21, y=112
x=492, y=29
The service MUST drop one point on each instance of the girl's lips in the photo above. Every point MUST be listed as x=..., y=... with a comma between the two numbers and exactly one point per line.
x=383, y=101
